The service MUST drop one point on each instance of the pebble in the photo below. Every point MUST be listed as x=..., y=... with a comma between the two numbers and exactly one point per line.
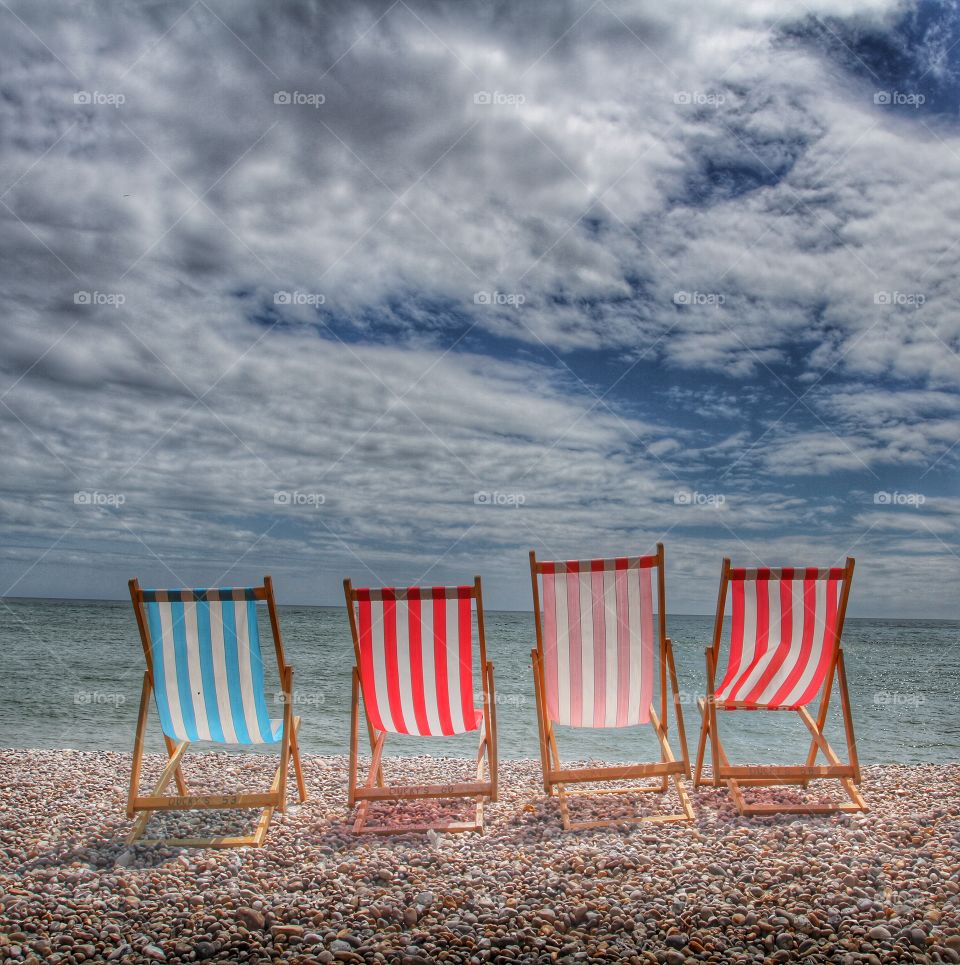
x=876, y=888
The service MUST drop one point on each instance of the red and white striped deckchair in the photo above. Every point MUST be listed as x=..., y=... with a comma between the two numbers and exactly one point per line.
x=784, y=650
x=596, y=665
x=414, y=650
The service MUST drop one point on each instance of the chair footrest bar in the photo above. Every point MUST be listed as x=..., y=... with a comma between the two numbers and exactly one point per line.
x=450, y=827
x=408, y=791
x=205, y=801
x=586, y=775
x=773, y=772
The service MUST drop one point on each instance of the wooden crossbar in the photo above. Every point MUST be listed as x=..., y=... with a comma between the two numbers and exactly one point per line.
x=586, y=775
x=405, y=792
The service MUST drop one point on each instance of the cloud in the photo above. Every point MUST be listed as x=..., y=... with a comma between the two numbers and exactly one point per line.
x=400, y=254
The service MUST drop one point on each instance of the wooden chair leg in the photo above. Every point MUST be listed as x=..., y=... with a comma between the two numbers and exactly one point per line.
x=702, y=744
x=538, y=698
x=178, y=773
x=138, y=745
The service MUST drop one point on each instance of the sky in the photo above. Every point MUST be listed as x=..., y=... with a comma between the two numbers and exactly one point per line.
x=402, y=290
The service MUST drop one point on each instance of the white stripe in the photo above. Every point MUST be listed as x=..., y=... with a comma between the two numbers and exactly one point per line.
x=635, y=623
x=586, y=647
x=377, y=645
x=196, y=676
x=772, y=589
x=613, y=656
x=246, y=676
x=402, y=613
x=563, y=649
x=453, y=664
x=429, y=666
x=170, y=671
x=819, y=625
x=796, y=642
x=220, y=670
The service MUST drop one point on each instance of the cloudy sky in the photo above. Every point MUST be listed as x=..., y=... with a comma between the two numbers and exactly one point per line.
x=400, y=290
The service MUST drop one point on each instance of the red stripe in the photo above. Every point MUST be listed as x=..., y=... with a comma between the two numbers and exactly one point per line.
x=440, y=659
x=465, y=613
x=763, y=637
x=391, y=667
x=366, y=661
x=806, y=643
x=786, y=636
x=415, y=631
x=623, y=642
x=826, y=653
x=599, y=644
x=573, y=624
x=736, y=634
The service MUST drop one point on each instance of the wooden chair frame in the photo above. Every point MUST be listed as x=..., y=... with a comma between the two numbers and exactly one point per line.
x=376, y=789
x=557, y=777
x=761, y=775
x=143, y=806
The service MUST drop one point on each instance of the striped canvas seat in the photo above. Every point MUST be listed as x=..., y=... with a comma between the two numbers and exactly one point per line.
x=782, y=635
x=598, y=640
x=207, y=666
x=416, y=659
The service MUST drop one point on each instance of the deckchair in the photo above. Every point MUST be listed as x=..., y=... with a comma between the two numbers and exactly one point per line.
x=594, y=667
x=784, y=650
x=414, y=651
x=205, y=671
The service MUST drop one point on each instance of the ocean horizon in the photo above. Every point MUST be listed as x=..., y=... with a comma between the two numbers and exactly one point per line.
x=74, y=672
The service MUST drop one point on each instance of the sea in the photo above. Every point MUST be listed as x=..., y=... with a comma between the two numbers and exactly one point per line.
x=71, y=673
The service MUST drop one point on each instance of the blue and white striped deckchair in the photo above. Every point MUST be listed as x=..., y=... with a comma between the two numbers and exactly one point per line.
x=205, y=670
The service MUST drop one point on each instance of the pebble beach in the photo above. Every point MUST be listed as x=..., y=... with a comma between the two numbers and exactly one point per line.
x=877, y=887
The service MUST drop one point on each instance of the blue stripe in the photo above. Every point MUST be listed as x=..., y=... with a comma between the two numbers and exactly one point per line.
x=233, y=672
x=159, y=676
x=183, y=670
x=206, y=671
x=256, y=676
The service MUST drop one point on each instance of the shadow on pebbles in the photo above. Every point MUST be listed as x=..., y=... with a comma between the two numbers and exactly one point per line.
x=877, y=887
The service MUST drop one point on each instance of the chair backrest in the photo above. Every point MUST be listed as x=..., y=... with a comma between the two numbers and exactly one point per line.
x=203, y=649
x=414, y=649
x=785, y=626
x=597, y=638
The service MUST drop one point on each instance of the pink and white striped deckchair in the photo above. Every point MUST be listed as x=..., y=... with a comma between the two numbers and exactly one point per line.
x=414, y=650
x=599, y=653
x=783, y=651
